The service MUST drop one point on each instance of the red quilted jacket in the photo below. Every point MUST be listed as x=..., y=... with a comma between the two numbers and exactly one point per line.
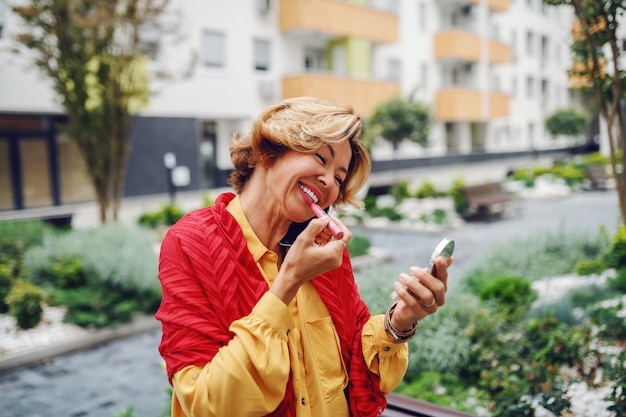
x=212, y=252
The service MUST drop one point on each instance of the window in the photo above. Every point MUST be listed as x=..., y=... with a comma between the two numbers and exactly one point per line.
x=530, y=47
x=2, y=18
x=514, y=45
x=530, y=86
x=261, y=55
x=514, y=87
x=422, y=18
x=213, y=50
x=395, y=70
x=314, y=59
x=424, y=75
x=149, y=42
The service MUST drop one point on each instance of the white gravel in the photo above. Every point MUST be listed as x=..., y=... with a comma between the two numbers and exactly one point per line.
x=49, y=331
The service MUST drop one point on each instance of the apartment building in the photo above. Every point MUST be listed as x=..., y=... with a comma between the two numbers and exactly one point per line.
x=490, y=70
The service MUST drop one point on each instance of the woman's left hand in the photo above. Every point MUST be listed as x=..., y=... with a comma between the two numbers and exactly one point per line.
x=420, y=293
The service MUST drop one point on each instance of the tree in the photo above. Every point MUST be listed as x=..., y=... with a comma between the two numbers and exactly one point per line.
x=568, y=122
x=91, y=51
x=397, y=120
x=596, y=54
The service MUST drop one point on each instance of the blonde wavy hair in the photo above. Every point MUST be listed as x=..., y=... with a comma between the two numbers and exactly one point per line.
x=302, y=124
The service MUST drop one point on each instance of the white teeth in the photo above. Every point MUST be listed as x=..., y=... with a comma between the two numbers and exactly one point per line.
x=310, y=193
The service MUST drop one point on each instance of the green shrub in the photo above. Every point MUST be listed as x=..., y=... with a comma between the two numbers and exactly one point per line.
x=427, y=190
x=359, y=245
x=616, y=370
x=460, y=203
x=447, y=390
x=29, y=232
x=24, y=302
x=535, y=257
x=117, y=264
x=612, y=326
x=400, y=191
x=166, y=215
x=616, y=256
x=6, y=281
x=514, y=293
x=619, y=281
x=437, y=216
x=590, y=266
x=389, y=212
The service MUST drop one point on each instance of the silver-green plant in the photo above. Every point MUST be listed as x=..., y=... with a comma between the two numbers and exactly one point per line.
x=117, y=254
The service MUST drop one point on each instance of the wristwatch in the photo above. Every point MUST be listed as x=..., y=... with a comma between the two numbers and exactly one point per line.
x=396, y=335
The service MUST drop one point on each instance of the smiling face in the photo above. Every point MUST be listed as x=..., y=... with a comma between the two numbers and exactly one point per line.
x=306, y=126
x=296, y=178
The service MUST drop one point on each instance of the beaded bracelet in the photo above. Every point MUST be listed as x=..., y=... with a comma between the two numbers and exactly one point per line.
x=396, y=335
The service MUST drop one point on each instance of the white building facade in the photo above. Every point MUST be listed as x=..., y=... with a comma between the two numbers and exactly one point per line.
x=491, y=70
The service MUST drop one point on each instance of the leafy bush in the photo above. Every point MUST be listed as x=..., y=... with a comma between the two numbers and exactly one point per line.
x=619, y=282
x=166, y=215
x=616, y=256
x=570, y=122
x=447, y=390
x=359, y=245
x=400, y=191
x=612, y=326
x=117, y=263
x=535, y=257
x=29, y=232
x=437, y=216
x=24, y=301
x=515, y=294
x=6, y=281
x=590, y=266
x=427, y=190
x=460, y=203
x=616, y=366
x=389, y=212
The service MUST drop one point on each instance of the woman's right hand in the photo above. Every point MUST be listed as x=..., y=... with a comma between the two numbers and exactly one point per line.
x=313, y=253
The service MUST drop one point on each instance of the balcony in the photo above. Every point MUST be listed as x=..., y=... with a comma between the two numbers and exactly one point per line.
x=362, y=94
x=465, y=105
x=465, y=46
x=496, y=5
x=338, y=19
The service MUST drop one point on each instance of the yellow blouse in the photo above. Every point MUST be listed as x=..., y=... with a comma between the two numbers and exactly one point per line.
x=274, y=340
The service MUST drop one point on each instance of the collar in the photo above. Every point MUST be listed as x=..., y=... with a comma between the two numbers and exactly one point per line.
x=255, y=246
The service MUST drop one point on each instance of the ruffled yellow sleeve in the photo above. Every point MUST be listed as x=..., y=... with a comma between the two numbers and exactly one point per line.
x=248, y=376
x=383, y=357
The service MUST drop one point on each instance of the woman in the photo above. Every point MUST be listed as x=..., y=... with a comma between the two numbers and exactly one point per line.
x=260, y=311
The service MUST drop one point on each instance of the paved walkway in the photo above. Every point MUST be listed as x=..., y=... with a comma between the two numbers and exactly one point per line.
x=99, y=382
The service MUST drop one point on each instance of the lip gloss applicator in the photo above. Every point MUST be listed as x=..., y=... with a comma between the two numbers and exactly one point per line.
x=332, y=226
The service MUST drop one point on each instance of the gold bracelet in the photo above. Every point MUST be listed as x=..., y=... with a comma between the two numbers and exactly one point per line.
x=396, y=335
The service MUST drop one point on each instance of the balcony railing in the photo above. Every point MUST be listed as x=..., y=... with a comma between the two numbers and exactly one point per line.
x=496, y=5
x=460, y=104
x=338, y=19
x=465, y=46
x=362, y=94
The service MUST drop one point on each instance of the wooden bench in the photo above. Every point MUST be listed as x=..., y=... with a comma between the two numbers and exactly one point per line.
x=57, y=216
x=487, y=200
x=598, y=177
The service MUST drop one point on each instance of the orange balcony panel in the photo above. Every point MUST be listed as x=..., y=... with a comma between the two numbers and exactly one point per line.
x=457, y=105
x=338, y=18
x=498, y=105
x=496, y=5
x=362, y=95
x=457, y=44
x=499, y=52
